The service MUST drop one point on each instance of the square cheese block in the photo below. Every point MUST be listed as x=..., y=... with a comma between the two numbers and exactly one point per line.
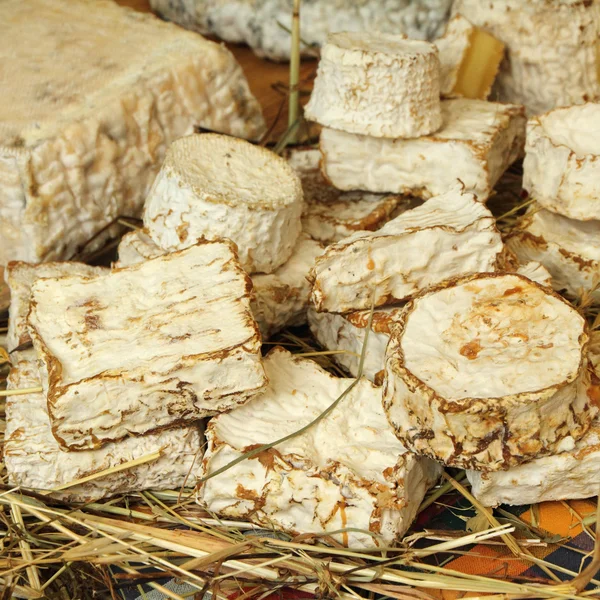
x=34, y=460
x=477, y=142
x=348, y=472
x=145, y=347
x=93, y=94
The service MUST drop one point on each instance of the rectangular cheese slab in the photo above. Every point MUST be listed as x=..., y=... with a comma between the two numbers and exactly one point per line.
x=145, y=347
x=478, y=141
x=92, y=95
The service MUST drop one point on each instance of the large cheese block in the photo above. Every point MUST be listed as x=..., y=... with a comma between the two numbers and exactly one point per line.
x=145, y=347
x=551, y=49
x=347, y=476
x=34, y=460
x=265, y=24
x=477, y=142
x=451, y=234
x=487, y=372
x=92, y=96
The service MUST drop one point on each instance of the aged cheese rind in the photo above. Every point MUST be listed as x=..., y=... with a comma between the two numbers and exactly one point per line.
x=451, y=234
x=82, y=138
x=477, y=142
x=562, y=161
x=376, y=84
x=147, y=346
x=488, y=372
x=347, y=471
x=213, y=186
x=551, y=49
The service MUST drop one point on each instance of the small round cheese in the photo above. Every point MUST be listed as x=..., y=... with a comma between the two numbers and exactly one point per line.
x=377, y=84
x=214, y=186
x=562, y=161
x=487, y=372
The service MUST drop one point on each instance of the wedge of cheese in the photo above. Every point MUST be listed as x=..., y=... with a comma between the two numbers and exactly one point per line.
x=382, y=85
x=93, y=94
x=487, y=372
x=215, y=186
x=145, y=347
x=347, y=476
x=451, y=234
x=478, y=141
x=562, y=161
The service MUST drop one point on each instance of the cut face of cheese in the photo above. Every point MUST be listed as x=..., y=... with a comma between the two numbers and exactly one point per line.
x=93, y=94
x=215, y=186
x=377, y=84
x=347, y=472
x=562, y=161
x=478, y=141
x=488, y=372
x=35, y=461
x=449, y=235
x=145, y=347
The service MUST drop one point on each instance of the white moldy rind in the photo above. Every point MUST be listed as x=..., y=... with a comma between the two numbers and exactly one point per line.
x=551, y=49
x=214, y=186
x=145, y=347
x=89, y=110
x=347, y=471
x=376, y=84
x=450, y=235
x=35, y=461
x=478, y=141
x=562, y=161
x=487, y=372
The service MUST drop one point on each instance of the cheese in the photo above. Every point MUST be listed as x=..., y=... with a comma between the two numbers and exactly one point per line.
x=378, y=85
x=449, y=235
x=160, y=343
x=469, y=60
x=92, y=96
x=476, y=144
x=551, y=49
x=562, y=161
x=487, y=372
x=568, y=249
x=35, y=461
x=346, y=473
x=215, y=186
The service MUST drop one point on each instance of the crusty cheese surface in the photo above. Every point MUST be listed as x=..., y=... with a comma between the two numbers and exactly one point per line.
x=562, y=161
x=451, y=234
x=93, y=94
x=146, y=346
x=214, y=186
x=347, y=472
x=376, y=84
x=35, y=461
x=488, y=372
x=478, y=141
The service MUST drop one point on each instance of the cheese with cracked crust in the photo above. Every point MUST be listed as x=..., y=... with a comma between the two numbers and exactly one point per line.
x=345, y=472
x=477, y=142
x=93, y=94
x=145, y=347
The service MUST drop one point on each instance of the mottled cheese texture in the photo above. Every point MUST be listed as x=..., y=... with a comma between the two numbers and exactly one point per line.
x=487, y=372
x=478, y=141
x=264, y=24
x=449, y=235
x=551, y=49
x=214, y=186
x=348, y=472
x=166, y=341
x=562, y=161
x=376, y=84
x=35, y=461
x=92, y=96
